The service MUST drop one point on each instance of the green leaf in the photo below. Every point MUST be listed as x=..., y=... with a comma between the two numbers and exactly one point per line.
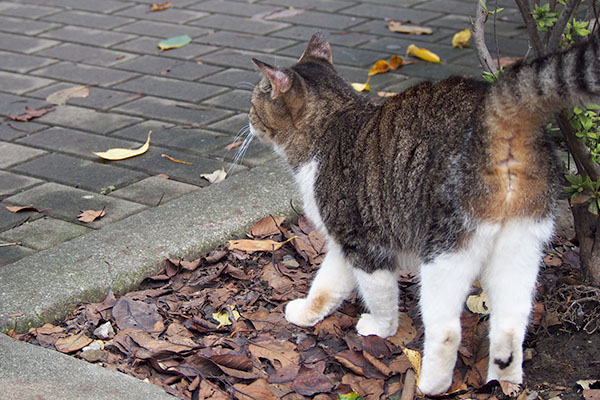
x=574, y=179
x=350, y=396
x=174, y=42
x=593, y=207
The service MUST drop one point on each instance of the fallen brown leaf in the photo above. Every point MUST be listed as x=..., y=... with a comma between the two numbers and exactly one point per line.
x=30, y=114
x=233, y=145
x=399, y=27
x=72, y=343
x=88, y=216
x=18, y=209
x=160, y=6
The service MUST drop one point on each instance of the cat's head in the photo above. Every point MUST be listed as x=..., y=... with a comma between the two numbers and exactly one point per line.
x=289, y=102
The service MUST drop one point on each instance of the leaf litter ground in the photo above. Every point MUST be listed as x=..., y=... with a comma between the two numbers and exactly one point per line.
x=213, y=328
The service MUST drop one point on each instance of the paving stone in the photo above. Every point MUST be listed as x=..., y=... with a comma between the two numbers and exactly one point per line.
x=170, y=88
x=19, y=84
x=256, y=154
x=76, y=142
x=88, y=19
x=173, y=111
x=26, y=10
x=66, y=203
x=405, y=3
x=328, y=6
x=345, y=38
x=399, y=46
x=10, y=220
x=320, y=19
x=11, y=130
x=188, y=139
x=76, y=172
x=243, y=59
x=24, y=44
x=168, y=67
x=92, y=120
x=376, y=27
x=232, y=125
x=172, y=14
x=235, y=78
x=98, y=99
x=162, y=30
x=449, y=6
x=396, y=13
x=242, y=9
x=13, y=183
x=10, y=254
x=85, y=74
x=342, y=55
x=145, y=45
x=249, y=42
x=21, y=63
x=153, y=191
x=24, y=26
x=44, y=233
x=12, y=154
x=86, y=54
x=238, y=100
x=86, y=35
x=239, y=24
x=104, y=6
x=16, y=105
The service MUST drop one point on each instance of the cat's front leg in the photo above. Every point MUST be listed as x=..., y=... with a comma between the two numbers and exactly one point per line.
x=332, y=285
x=379, y=291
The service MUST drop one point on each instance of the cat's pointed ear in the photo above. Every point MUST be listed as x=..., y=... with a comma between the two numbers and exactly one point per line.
x=319, y=48
x=280, y=80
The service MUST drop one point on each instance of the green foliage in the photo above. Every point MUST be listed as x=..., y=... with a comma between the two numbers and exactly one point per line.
x=543, y=17
x=488, y=12
x=573, y=30
x=584, y=190
x=587, y=128
x=491, y=77
x=350, y=396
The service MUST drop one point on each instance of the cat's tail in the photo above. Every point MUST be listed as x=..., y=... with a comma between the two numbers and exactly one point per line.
x=533, y=89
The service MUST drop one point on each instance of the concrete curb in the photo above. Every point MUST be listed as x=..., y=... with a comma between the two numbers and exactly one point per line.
x=45, y=286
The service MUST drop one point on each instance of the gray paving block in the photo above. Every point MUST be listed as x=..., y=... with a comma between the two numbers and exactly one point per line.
x=172, y=111
x=88, y=19
x=104, y=6
x=256, y=154
x=146, y=45
x=44, y=233
x=13, y=183
x=153, y=191
x=66, y=203
x=17, y=105
x=243, y=58
x=239, y=24
x=24, y=44
x=320, y=19
x=11, y=130
x=242, y=9
x=48, y=374
x=172, y=14
x=99, y=98
x=10, y=220
x=396, y=13
x=232, y=125
x=19, y=84
x=328, y=6
x=247, y=42
x=84, y=74
x=21, y=63
x=122, y=254
x=11, y=154
x=376, y=28
x=86, y=54
x=83, y=118
x=173, y=136
x=170, y=88
x=449, y=6
x=24, y=26
x=33, y=11
x=162, y=30
x=235, y=78
x=342, y=55
x=236, y=100
x=86, y=35
x=77, y=172
x=168, y=67
x=12, y=253
x=398, y=46
x=345, y=37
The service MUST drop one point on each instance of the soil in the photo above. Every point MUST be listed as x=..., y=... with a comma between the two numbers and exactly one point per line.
x=213, y=328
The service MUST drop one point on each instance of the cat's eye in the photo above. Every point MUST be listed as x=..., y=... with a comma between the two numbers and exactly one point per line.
x=265, y=86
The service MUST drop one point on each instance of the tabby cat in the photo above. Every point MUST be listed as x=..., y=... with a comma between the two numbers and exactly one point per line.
x=453, y=179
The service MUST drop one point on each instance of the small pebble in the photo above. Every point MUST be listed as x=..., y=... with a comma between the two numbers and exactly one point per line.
x=104, y=331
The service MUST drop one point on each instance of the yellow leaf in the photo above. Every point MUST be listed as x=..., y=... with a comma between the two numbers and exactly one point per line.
x=399, y=27
x=396, y=62
x=121, y=154
x=223, y=316
x=215, y=177
x=423, y=54
x=461, y=39
x=168, y=157
x=362, y=87
x=250, y=246
x=160, y=6
x=61, y=97
x=415, y=359
x=379, y=67
x=478, y=304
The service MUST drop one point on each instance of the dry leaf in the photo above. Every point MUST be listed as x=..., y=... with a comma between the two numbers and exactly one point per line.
x=478, y=304
x=174, y=42
x=17, y=209
x=223, y=316
x=30, y=113
x=406, y=331
x=267, y=226
x=461, y=39
x=379, y=67
x=135, y=314
x=88, y=216
x=399, y=27
x=233, y=145
x=72, y=343
x=168, y=157
x=215, y=177
x=161, y=6
x=281, y=353
x=362, y=87
x=397, y=61
x=415, y=359
x=121, y=154
x=62, y=96
x=507, y=61
x=423, y=54
x=385, y=94
x=250, y=246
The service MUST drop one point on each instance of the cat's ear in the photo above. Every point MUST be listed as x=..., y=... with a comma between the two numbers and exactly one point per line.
x=280, y=80
x=319, y=48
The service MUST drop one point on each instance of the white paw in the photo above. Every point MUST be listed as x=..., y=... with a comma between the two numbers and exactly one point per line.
x=434, y=383
x=298, y=313
x=382, y=327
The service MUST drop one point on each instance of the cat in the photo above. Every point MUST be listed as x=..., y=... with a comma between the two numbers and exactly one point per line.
x=455, y=179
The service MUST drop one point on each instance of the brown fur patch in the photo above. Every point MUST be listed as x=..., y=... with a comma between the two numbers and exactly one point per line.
x=318, y=303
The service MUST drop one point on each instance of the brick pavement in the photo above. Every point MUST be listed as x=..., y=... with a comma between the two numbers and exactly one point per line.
x=194, y=99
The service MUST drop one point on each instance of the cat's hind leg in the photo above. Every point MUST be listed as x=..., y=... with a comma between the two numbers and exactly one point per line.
x=331, y=286
x=379, y=291
x=509, y=281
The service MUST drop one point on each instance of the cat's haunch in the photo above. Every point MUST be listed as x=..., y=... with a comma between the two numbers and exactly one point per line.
x=453, y=179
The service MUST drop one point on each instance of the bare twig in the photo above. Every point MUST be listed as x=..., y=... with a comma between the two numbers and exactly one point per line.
x=410, y=383
x=10, y=244
x=478, y=30
x=559, y=27
x=538, y=47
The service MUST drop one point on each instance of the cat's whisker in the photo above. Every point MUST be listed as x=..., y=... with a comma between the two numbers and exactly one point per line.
x=247, y=136
x=245, y=85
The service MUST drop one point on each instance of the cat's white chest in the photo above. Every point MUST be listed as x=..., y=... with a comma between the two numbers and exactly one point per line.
x=305, y=177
